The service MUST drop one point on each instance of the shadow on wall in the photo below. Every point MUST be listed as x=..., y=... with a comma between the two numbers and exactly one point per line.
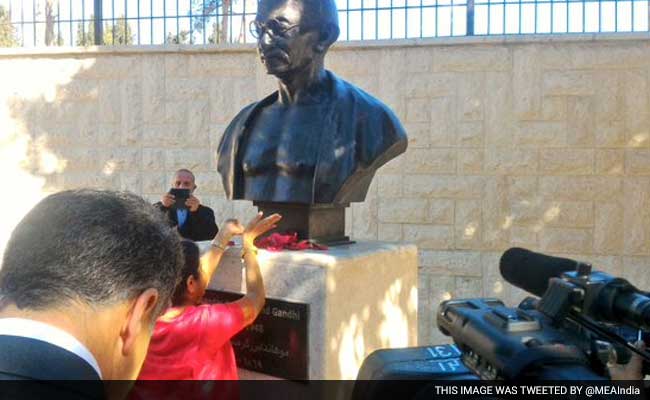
x=32, y=114
x=121, y=122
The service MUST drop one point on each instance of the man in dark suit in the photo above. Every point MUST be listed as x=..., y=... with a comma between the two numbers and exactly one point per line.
x=194, y=220
x=84, y=277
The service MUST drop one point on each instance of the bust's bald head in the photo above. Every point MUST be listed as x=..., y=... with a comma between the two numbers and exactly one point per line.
x=320, y=14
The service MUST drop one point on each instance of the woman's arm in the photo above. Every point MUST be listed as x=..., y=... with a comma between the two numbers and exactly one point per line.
x=252, y=303
x=210, y=260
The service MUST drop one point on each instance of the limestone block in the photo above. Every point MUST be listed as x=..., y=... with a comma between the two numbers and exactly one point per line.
x=155, y=183
x=364, y=219
x=441, y=288
x=198, y=123
x=437, y=237
x=423, y=85
x=454, y=263
x=636, y=216
x=418, y=134
x=209, y=182
x=244, y=210
x=110, y=106
x=468, y=225
x=347, y=321
x=418, y=110
x=568, y=240
x=637, y=162
x=132, y=112
x=636, y=270
x=587, y=188
x=610, y=162
x=441, y=212
x=569, y=83
x=120, y=159
x=153, y=94
x=503, y=160
x=566, y=161
x=222, y=207
x=522, y=187
x=524, y=236
x=186, y=88
x=471, y=92
x=79, y=180
x=450, y=187
x=637, y=109
x=470, y=161
x=176, y=111
x=430, y=161
x=554, y=108
x=467, y=287
x=153, y=159
x=442, y=122
x=609, y=230
x=472, y=58
x=222, y=108
x=495, y=214
x=500, y=125
x=390, y=232
x=527, y=82
x=78, y=90
x=389, y=186
x=219, y=64
x=470, y=134
x=196, y=160
x=131, y=181
x=580, y=122
x=176, y=66
x=418, y=60
x=610, y=133
x=403, y=210
x=116, y=67
x=541, y=134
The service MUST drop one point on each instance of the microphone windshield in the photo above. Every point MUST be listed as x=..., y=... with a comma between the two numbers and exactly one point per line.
x=531, y=271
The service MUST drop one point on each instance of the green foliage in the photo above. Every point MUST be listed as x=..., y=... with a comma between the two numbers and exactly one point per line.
x=7, y=30
x=118, y=34
x=182, y=38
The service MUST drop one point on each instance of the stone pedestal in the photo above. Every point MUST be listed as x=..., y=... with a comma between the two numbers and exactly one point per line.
x=361, y=297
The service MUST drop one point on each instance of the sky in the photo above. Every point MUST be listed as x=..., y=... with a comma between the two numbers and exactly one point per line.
x=359, y=19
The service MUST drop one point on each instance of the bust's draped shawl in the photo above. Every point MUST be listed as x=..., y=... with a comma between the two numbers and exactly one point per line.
x=362, y=135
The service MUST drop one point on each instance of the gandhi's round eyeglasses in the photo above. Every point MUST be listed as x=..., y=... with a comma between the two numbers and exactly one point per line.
x=273, y=28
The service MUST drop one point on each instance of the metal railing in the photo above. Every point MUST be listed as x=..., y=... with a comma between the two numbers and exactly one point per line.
x=150, y=22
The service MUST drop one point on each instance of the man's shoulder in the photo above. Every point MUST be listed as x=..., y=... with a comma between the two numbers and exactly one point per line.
x=205, y=209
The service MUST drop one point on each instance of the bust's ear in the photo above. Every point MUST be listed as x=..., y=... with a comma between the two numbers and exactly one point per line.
x=328, y=35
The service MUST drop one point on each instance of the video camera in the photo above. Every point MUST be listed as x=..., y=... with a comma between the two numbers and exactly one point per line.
x=568, y=334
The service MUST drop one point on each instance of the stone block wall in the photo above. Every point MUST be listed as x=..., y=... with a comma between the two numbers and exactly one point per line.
x=536, y=142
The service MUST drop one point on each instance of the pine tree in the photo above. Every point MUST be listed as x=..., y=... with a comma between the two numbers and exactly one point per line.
x=120, y=33
x=7, y=30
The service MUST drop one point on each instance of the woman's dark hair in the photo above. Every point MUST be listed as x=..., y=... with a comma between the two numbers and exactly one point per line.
x=191, y=268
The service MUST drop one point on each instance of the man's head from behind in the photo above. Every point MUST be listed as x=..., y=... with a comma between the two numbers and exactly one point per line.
x=294, y=35
x=101, y=265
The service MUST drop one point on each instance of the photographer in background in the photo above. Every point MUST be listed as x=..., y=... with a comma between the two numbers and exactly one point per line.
x=194, y=220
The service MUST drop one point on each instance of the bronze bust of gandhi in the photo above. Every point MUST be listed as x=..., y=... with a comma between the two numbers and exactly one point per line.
x=313, y=146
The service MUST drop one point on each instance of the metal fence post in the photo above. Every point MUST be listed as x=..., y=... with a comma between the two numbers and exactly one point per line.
x=99, y=30
x=470, y=17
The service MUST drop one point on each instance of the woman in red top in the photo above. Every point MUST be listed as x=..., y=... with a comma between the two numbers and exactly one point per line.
x=192, y=340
